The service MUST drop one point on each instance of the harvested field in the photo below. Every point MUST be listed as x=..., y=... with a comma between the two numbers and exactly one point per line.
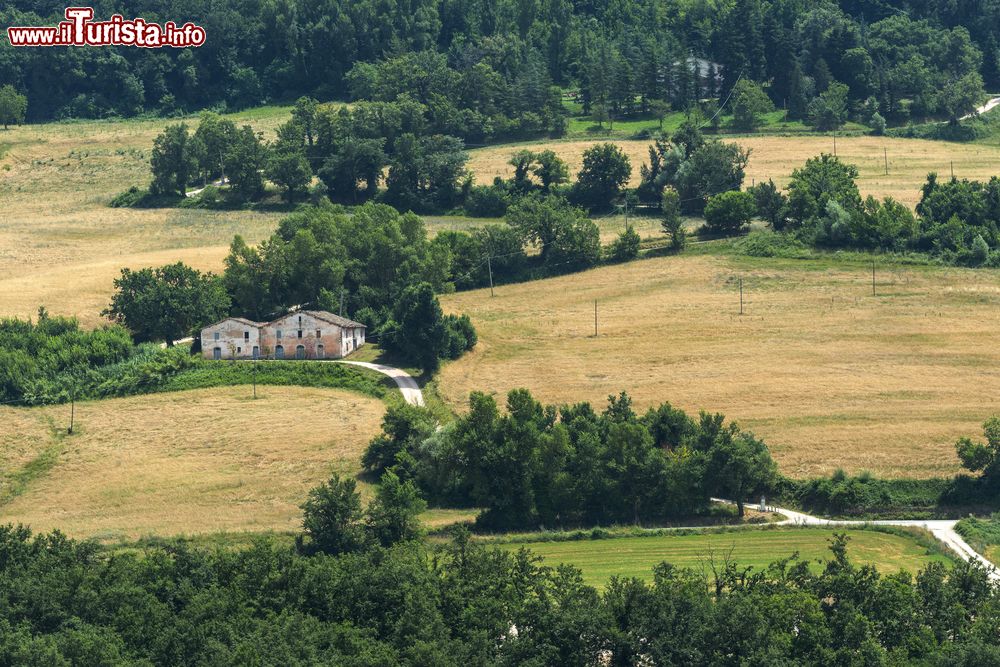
x=828, y=375
x=910, y=160
x=181, y=463
x=61, y=245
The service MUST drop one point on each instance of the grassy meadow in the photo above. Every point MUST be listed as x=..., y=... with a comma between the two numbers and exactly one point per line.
x=61, y=245
x=600, y=560
x=830, y=376
x=181, y=462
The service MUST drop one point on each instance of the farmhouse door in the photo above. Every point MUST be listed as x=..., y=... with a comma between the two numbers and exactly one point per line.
x=279, y=352
x=300, y=352
x=320, y=351
x=217, y=353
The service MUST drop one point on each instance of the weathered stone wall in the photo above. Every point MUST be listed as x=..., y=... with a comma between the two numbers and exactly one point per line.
x=300, y=329
x=230, y=339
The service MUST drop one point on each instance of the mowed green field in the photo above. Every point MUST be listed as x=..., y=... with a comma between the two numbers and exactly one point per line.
x=600, y=560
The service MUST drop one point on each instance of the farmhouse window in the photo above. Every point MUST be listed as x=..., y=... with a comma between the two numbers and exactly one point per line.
x=216, y=335
x=278, y=333
x=318, y=333
x=300, y=333
x=239, y=350
x=246, y=335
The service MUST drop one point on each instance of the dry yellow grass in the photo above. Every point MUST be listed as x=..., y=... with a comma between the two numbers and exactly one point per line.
x=829, y=375
x=62, y=246
x=910, y=160
x=186, y=462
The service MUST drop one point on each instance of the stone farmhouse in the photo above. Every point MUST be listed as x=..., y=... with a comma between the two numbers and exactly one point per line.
x=303, y=334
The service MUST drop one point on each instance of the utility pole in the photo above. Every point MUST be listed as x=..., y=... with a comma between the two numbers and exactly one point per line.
x=489, y=265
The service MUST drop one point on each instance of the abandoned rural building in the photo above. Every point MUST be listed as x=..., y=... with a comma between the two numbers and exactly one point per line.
x=303, y=334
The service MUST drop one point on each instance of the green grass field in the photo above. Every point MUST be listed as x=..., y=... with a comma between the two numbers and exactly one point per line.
x=600, y=560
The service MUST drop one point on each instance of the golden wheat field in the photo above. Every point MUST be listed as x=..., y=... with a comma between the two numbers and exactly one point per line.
x=61, y=245
x=827, y=374
x=181, y=462
x=910, y=160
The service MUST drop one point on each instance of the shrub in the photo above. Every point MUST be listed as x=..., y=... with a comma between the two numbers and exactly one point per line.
x=129, y=198
x=730, y=212
x=878, y=124
x=626, y=246
x=772, y=244
x=487, y=201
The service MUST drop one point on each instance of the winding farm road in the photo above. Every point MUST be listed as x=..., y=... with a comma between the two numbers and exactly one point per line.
x=942, y=529
x=407, y=385
x=989, y=106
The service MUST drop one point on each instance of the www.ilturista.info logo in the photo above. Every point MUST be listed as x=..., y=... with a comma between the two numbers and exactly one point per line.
x=79, y=30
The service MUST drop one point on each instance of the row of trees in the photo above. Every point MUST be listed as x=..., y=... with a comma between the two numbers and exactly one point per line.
x=359, y=590
x=536, y=465
x=486, y=69
x=956, y=220
x=36, y=356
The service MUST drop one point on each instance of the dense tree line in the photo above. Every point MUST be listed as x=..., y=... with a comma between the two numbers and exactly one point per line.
x=956, y=220
x=45, y=356
x=360, y=591
x=488, y=69
x=536, y=465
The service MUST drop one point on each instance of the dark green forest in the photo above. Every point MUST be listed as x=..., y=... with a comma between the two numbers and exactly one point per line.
x=496, y=67
x=358, y=590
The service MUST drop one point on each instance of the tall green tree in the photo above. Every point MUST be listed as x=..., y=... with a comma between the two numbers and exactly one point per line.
x=289, y=169
x=174, y=160
x=167, y=303
x=982, y=456
x=605, y=171
x=217, y=135
x=394, y=515
x=750, y=103
x=13, y=106
x=244, y=163
x=550, y=169
x=332, y=520
x=417, y=330
x=829, y=110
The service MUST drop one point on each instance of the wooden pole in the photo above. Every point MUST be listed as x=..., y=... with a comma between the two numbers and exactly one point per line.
x=489, y=265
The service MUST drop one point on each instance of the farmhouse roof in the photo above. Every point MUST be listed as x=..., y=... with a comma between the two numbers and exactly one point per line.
x=335, y=319
x=241, y=320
